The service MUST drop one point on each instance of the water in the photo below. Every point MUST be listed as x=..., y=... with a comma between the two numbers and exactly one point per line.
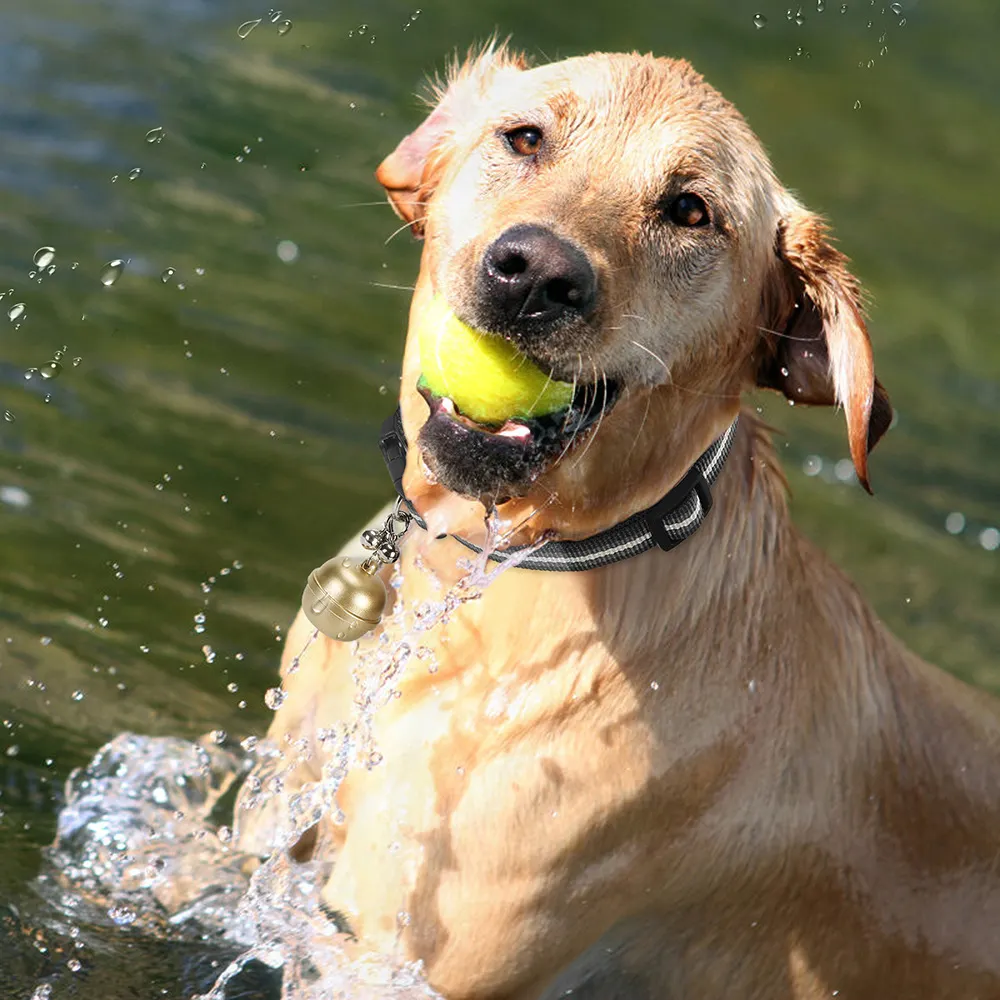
x=259, y=379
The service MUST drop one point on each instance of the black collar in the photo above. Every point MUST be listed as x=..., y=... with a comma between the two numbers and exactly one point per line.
x=671, y=520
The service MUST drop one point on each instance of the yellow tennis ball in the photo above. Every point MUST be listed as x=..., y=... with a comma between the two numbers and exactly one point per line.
x=486, y=377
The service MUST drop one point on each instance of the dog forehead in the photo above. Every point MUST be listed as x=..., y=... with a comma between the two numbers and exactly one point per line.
x=651, y=118
x=657, y=108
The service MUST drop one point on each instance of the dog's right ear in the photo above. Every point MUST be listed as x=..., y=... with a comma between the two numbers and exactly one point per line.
x=411, y=172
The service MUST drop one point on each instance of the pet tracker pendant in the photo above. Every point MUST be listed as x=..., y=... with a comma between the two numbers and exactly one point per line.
x=344, y=598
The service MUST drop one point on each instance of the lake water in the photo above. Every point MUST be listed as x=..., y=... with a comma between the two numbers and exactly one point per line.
x=207, y=433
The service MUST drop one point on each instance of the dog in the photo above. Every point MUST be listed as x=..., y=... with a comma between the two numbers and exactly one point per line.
x=702, y=773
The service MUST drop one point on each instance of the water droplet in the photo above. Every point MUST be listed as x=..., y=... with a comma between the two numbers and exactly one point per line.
x=813, y=465
x=74, y=265
x=9, y=417
x=16, y=311
x=43, y=992
x=74, y=965
x=287, y=251
x=896, y=8
x=989, y=539
x=122, y=915
x=166, y=274
x=247, y=26
x=51, y=269
x=78, y=695
x=843, y=8
x=50, y=369
x=274, y=698
x=284, y=27
x=759, y=21
x=799, y=17
x=44, y=256
x=362, y=28
x=224, y=834
x=232, y=687
x=219, y=736
x=274, y=15
x=155, y=134
x=857, y=105
x=844, y=470
x=112, y=272
x=135, y=172
x=954, y=523
x=76, y=362
x=820, y=6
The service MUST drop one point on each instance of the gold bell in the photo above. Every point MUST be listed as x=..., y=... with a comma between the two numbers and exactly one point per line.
x=344, y=599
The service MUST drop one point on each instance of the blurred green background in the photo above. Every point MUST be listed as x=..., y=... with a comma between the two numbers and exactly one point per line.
x=211, y=435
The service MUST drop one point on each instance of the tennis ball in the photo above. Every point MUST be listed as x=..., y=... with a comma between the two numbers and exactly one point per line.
x=486, y=377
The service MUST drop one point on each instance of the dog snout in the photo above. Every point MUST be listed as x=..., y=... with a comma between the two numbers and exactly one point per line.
x=531, y=275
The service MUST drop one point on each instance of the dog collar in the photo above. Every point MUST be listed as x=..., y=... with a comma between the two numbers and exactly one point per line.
x=671, y=520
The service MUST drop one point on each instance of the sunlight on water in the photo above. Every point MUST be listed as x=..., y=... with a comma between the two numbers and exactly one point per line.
x=144, y=842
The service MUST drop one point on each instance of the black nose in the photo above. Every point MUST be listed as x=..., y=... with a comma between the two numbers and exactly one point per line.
x=529, y=274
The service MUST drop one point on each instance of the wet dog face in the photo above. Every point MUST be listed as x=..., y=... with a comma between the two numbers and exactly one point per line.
x=615, y=219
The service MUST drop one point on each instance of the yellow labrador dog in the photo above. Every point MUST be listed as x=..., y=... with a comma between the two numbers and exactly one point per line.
x=707, y=772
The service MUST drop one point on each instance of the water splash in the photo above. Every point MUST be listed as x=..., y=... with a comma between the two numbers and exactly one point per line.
x=135, y=844
x=139, y=841
x=286, y=931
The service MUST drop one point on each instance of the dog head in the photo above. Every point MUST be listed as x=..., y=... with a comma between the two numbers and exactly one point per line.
x=616, y=219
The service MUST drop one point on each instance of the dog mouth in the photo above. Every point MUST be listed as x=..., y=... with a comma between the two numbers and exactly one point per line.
x=500, y=461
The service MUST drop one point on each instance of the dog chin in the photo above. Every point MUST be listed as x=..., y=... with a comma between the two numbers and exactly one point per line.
x=495, y=464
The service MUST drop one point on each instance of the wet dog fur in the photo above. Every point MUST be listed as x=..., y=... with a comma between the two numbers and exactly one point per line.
x=699, y=774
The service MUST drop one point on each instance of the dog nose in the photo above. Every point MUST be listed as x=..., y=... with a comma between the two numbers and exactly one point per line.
x=530, y=273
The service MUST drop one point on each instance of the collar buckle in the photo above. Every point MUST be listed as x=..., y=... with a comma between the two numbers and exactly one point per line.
x=665, y=534
x=392, y=444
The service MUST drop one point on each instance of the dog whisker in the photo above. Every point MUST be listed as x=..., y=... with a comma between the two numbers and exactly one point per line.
x=405, y=225
x=785, y=336
x=600, y=419
x=642, y=424
x=654, y=355
x=400, y=288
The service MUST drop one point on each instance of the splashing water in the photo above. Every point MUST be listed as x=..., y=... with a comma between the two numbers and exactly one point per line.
x=287, y=932
x=138, y=838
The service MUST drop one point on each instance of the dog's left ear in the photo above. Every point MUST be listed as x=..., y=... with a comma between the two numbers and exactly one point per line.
x=816, y=348
x=411, y=172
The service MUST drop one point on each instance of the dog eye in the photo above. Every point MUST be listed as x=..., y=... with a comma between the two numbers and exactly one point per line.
x=688, y=210
x=525, y=141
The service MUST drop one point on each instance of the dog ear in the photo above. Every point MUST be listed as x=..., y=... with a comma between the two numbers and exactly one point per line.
x=816, y=347
x=411, y=172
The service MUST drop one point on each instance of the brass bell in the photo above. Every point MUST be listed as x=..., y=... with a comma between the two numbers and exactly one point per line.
x=344, y=599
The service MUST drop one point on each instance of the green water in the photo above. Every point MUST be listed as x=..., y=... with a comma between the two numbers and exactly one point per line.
x=221, y=423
